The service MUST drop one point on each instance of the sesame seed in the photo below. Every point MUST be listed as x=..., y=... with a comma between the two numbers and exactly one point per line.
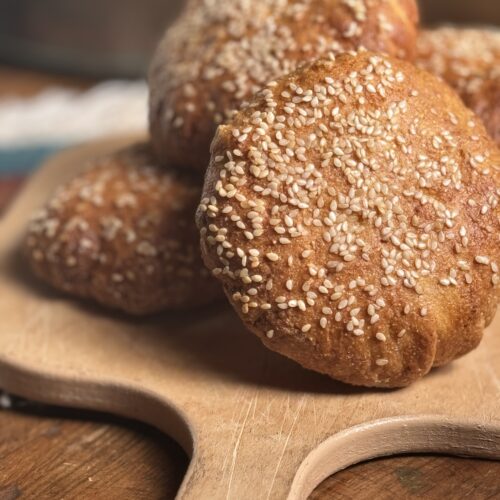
x=342, y=304
x=480, y=259
x=71, y=261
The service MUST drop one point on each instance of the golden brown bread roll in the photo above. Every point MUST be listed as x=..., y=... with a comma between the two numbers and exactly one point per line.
x=123, y=233
x=219, y=53
x=349, y=212
x=484, y=100
x=469, y=60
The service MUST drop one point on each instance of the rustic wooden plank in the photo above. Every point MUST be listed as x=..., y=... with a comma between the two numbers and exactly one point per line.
x=414, y=477
x=58, y=453
x=51, y=452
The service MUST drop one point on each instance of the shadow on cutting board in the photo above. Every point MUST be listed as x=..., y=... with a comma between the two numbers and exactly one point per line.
x=202, y=346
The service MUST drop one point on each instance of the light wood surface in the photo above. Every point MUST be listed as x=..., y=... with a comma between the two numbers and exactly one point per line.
x=51, y=453
x=257, y=425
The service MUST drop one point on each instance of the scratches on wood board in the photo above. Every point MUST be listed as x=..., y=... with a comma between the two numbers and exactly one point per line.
x=237, y=445
x=285, y=445
x=236, y=408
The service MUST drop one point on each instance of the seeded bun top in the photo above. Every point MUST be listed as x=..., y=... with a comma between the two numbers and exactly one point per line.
x=219, y=53
x=350, y=215
x=123, y=234
x=485, y=101
x=469, y=60
x=463, y=57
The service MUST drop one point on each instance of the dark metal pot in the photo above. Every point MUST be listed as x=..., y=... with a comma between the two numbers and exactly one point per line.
x=117, y=37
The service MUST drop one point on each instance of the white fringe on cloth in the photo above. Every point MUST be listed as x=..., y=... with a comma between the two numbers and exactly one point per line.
x=62, y=116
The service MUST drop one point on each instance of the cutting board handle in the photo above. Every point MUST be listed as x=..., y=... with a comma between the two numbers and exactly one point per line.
x=400, y=435
x=393, y=436
x=221, y=471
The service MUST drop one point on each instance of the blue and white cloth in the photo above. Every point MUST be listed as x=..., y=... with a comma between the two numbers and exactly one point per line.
x=33, y=128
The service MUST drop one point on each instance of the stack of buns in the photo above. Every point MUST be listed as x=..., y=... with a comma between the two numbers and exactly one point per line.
x=346, y=199
x=468, y=59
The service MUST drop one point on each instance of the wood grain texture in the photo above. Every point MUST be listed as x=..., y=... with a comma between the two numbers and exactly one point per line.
x=250, y=418
x=49, y=452
x=53, y=453
x=417, y=478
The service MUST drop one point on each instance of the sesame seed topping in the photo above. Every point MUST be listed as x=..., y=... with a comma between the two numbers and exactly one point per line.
x=121, y=218
x=366, y=223
x=480, y=259
x=236, y=48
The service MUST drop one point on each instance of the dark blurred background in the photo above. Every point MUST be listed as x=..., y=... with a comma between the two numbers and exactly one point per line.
x=115, y=38
x=103, y=38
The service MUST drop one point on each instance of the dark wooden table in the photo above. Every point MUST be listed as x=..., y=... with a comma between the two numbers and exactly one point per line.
x=55, y=453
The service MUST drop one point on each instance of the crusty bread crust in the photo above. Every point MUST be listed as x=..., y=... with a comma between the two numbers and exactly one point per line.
x=219, y=53
x=123, y=234
x=469, y=60
x=350, y=214
x=485, y=102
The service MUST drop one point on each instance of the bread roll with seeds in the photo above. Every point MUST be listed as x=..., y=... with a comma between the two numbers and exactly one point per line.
x=469, y=60
x=349, y=214
x=219, y=53
x=123, y=234
x=485, y=102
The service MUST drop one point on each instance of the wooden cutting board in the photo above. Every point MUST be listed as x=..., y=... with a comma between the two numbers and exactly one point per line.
x=257, y=425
